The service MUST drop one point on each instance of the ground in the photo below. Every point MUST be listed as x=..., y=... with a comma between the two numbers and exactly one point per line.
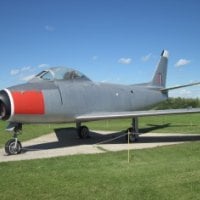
x=64, y=141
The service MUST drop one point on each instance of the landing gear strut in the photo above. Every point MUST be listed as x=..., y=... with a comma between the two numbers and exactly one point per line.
x=83, y=131
x=13, y=146
x=133, y=132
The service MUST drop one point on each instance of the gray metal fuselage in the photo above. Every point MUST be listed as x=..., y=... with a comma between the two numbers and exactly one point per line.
x=65, y=100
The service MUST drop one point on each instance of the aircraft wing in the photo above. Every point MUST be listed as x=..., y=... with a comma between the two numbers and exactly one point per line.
x=116, y=115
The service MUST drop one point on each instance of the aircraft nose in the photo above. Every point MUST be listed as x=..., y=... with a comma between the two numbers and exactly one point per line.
x=5, y=106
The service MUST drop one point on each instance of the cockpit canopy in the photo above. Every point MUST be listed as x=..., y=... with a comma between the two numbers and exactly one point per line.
x=60, y=74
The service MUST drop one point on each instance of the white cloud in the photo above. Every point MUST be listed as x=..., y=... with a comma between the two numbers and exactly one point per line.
x=182, y=62
x=26, y=68
x=23, y=73
x=26, y=73
x=147, y=57
x=49, y=28
x=14, y=72
x=43, y=65
x=190, y=92
x=125, y=61
x=27, y=78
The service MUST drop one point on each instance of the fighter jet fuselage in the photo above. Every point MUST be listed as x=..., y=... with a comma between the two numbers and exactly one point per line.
x=63, y=100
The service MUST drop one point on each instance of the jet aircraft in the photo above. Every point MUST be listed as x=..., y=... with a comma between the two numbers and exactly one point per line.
x=62, y=95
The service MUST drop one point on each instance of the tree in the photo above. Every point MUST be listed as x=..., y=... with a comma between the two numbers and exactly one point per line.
x=176, y=103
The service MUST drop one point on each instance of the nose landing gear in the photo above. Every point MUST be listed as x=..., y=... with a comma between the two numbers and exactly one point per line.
x=13, y=146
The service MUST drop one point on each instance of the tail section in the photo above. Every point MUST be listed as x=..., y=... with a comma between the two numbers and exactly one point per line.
x=159, y=78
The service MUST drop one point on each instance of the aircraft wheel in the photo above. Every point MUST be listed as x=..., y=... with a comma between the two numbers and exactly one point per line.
x=83, y=132
x=132, y=136
x=11, y=149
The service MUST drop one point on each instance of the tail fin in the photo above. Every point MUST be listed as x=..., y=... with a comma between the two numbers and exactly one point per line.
x=159, y=78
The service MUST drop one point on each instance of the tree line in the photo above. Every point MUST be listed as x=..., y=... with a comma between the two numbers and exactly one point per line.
x=176, y=103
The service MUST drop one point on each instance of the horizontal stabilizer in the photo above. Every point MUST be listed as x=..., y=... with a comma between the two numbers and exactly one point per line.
x=179, y=86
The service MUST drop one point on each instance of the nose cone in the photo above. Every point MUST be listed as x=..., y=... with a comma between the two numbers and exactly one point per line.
x=5, y=106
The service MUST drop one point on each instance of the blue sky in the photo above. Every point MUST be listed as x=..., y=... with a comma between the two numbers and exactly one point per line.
x=108, y=40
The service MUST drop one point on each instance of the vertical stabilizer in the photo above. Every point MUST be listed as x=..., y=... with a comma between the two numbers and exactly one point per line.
x=159, y=78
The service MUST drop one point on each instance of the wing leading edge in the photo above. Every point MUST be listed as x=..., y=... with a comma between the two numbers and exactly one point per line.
x=118, y=115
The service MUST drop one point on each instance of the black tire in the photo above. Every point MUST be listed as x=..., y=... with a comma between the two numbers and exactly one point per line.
x=83, y=132
x=132, y=137
x=130, y=130
x=10, y=147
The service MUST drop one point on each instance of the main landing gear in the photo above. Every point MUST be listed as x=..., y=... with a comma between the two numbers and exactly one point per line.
x=13, y=146
x=83, y=131
x=133, y=132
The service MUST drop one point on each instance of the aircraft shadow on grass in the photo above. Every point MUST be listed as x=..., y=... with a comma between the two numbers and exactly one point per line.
x=67, y=137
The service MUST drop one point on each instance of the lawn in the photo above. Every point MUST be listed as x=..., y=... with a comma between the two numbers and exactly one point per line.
x=189, y=123
x=170, y=172
x=162, y=124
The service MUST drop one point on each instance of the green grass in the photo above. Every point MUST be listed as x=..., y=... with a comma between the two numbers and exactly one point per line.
x=189, y=123
x=170, y=172
x=29, y=131
x=176, y=124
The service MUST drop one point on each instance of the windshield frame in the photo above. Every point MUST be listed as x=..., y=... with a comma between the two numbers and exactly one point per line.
x=61, y=74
